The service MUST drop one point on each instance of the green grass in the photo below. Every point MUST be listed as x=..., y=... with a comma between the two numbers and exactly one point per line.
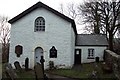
x=0, y=66
x=26, y=75
x=0, y=69
x=74, y=73
x=71, y=73
x=85, y=72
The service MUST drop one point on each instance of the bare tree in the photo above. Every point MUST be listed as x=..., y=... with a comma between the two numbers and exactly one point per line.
x=75, y=11
x=4, y=35
x=110, y=12
x=103, y=16
x=100, y=16
x=61, y=8
x=118, y=33
x=116, y=42
x=91, y=16
x=72, y=10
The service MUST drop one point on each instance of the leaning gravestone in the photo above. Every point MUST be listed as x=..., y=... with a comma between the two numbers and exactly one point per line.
x=10, y=72
x=17, y=66
x=39, y=71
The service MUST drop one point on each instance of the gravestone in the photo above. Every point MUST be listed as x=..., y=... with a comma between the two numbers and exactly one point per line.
x=26, y=64
x=17, y=66
x=10, y=72
x=42, y=63
x=39, y=71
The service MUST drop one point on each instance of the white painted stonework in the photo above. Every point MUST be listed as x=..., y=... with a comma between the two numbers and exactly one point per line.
x=58, y=33
x=98, y=51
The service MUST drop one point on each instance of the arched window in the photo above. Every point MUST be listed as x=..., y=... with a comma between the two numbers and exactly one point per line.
x=18, y=50
x=39, y=24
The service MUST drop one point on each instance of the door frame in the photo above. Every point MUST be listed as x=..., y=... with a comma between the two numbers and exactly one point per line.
x=36, y=53
x=77, y=57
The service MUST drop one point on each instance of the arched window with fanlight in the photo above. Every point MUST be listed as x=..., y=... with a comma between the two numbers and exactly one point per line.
x=39, y=24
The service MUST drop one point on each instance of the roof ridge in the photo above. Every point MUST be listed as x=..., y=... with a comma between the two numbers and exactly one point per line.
x=39, y=5
x=91, y=34
x=91, y=40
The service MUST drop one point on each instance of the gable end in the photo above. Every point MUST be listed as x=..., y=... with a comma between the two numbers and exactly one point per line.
x=39, y=5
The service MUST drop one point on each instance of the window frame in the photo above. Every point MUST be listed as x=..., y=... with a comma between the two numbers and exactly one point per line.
x=91, y=53
x=39, y=24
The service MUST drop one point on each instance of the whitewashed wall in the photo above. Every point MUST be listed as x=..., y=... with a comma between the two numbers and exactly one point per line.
x=58, y=33
x=72, y=47
x=99, y=51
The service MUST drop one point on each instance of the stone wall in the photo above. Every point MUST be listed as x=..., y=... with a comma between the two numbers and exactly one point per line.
x=113, y=61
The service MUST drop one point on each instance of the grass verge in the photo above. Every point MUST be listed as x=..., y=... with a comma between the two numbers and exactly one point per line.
x=83, y=71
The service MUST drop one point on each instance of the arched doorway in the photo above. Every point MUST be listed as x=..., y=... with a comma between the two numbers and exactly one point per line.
x=38, y=54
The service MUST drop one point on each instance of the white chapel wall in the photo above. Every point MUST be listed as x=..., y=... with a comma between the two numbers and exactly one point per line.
x=57, y=33
x=98, y=50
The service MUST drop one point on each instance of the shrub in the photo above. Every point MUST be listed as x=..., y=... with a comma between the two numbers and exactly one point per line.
x=51, y=65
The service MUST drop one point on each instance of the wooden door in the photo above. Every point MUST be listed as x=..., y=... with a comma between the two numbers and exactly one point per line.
x=77, y=56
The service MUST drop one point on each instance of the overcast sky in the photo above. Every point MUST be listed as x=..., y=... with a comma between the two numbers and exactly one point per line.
x=11, y=8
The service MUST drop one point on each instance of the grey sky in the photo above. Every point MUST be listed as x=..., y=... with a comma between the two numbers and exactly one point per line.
x=11, y=8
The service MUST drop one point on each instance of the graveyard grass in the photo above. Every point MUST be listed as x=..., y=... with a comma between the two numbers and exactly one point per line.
x=85, y=72
x=0, y=69
x=26, y=75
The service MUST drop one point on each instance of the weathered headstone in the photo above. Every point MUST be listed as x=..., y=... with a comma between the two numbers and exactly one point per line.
x=10, y=72
x=39, y=71
x=26, y=64
x=17, y=66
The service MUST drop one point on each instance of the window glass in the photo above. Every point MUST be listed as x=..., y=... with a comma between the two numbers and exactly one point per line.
x=39, y=24
x=90, y=53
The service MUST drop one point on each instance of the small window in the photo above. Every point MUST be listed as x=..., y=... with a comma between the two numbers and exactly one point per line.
x=53, y=52
x=18, y=50
x=90, y=53
x=39, y=24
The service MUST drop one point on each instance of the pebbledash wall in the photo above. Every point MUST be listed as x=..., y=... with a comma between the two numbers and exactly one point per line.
x=98, y=52
x=58, y=33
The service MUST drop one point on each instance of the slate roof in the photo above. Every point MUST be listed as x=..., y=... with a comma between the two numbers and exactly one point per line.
x=91, y=40
x=41, y=5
